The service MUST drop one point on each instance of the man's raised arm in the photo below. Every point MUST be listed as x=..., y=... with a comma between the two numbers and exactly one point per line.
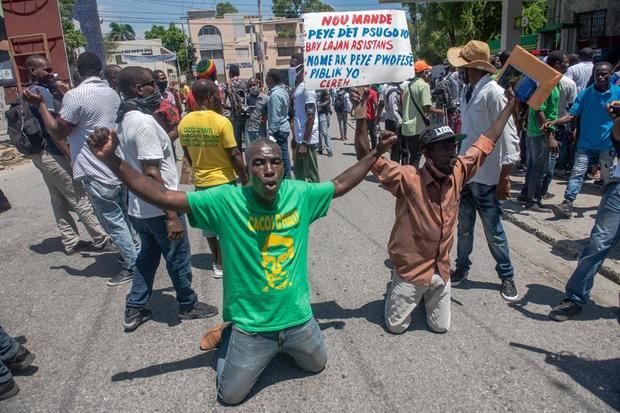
x=103, y=144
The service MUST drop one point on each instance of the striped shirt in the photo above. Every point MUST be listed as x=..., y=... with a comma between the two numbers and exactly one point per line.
x=90, y=105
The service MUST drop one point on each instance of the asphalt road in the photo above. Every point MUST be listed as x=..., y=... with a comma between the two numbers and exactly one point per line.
x=496, y=357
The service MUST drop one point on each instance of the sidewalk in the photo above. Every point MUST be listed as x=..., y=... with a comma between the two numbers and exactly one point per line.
x=566, y=236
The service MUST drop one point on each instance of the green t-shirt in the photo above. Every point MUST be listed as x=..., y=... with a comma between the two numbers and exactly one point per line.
x=549, y=108
x=413, y=122
x=264, y=251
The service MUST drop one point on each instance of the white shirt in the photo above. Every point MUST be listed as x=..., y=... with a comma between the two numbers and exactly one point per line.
x=568, y=94
x=392, y=103
x=486, y=103
x=580, y=74
x=143, y=139
x=90, y=105
x=348, y=107
x=302, y=98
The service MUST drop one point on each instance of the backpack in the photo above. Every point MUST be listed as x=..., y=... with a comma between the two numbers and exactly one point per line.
x=339, y=103
x=24, y=129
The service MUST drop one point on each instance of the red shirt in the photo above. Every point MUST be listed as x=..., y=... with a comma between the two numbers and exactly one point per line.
x=372, y=102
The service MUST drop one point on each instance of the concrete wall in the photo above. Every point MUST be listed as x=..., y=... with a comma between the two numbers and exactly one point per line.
x=143, y=47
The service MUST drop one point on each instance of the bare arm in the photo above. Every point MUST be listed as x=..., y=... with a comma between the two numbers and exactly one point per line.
x=58, y=130
x=187, y=156
x=350, y=178
x=237, y=160
x=151, y=169
x=103, y=143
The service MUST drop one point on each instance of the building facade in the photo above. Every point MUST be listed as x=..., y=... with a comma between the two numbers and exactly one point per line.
x=574, y=24
x=147, y=48
x=232, y=39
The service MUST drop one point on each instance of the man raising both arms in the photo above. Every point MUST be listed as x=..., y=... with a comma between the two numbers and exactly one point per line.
x=210, y=147
x=263, y=228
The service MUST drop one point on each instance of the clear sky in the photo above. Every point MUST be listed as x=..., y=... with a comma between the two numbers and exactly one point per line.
x=142, y=14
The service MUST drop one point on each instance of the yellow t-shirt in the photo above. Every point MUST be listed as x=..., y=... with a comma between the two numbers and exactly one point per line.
x=207, y=135
x=185, y=90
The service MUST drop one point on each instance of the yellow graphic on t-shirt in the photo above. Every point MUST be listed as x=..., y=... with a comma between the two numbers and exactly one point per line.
x=276, y=251
x=277, y=222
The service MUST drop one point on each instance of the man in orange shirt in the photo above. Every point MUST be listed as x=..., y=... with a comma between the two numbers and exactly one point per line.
x=427, y=200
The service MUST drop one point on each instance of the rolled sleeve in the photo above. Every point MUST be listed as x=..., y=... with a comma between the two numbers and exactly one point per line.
x=472, y=160
x=390, y=175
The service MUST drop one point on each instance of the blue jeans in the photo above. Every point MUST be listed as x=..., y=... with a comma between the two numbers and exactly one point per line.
x=482, y=198
x=324, y=138
x=239, y=131
x=110, y=205
x=8, y=349
x=580, y=168
x=604, y=236
x=537, y=165
x=553, y=160
x=155, y=243
x=282, y=140
x=243, y=356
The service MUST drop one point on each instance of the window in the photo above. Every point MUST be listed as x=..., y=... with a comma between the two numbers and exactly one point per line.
x=211, y=54
x=592, y=24
x=286, y=51
x=242, y=52
x=119, y=60
x=248, y=29
x=209, y=30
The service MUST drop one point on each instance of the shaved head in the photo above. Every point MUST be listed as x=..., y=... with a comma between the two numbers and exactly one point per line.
x=257, y=145
x=36, y=60
x=204, y=90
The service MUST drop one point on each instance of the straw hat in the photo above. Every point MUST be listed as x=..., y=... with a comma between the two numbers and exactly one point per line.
x=474, y=55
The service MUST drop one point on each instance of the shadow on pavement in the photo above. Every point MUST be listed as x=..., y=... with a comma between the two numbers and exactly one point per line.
x=195, y=362
x=470, y=284
x=545, y=295
x=202, y=261
x=348, y=154
x=48, y=246
x=104, y=266
x=599, y=377
x=165, y=307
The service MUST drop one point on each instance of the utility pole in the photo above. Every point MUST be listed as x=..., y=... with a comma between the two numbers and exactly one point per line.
x=187, y=57
x=261, y=45
x=252, y=43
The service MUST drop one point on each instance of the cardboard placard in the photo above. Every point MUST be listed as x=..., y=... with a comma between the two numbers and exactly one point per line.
x=532, y=79
x=356, y=48
x=361, y=110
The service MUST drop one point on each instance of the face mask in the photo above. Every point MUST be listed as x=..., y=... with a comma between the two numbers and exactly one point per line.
x=463, y=76
x=292, y=75
x=254, y=90
x=162, y=85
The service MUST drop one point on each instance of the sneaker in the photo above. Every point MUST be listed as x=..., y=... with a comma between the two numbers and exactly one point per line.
x=20, y=361
x=218, y=272
x=535, y=207
x=564, y=210
x=135, y=317
x=548, y=195
x=509, y=290
x=200, y=310
x=8, y=389
x=522, y=199
x=108, y=246
x=320, y=152
x=565, y=310
x=79, y=247
x=212, y=337
x=329, y=154
x=457, y=276
x=123, y=277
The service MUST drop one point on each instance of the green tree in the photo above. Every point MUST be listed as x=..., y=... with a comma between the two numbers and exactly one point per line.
x=295, y=8
x=73, y=37
x=443, y=25
x=224, y=8
x=174, y=40
x=120, y=32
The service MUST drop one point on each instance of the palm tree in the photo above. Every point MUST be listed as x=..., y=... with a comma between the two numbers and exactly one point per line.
x=121, y=32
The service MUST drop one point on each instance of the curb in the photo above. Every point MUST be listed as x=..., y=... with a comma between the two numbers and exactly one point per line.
x=605, y=271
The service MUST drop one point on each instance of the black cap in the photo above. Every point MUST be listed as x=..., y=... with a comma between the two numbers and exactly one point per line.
x=438, y=134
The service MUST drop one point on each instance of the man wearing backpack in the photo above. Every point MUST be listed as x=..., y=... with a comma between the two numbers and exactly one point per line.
x=53, y=162
x=236, y=92
x=91, y=105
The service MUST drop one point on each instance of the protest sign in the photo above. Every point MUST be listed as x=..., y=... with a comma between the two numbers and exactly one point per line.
x=347, y=49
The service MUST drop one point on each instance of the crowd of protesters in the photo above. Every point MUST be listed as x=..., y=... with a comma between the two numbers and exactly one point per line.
x=109, y=156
